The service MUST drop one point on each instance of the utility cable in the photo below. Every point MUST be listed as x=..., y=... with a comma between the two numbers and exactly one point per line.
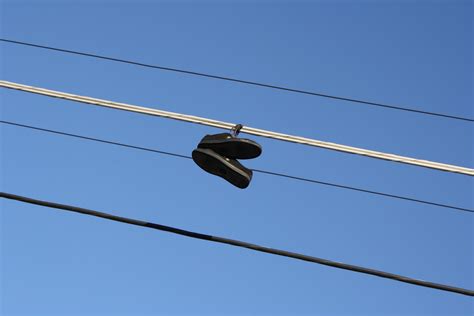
x=254, y=170
x=245, y=129
x=239, y=243
x=247, y=82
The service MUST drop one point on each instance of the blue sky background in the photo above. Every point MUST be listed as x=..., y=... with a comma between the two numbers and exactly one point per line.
x=412, y=53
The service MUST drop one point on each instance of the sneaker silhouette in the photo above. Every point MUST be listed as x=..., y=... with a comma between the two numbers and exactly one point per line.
x=231, y=147
x=224, y=167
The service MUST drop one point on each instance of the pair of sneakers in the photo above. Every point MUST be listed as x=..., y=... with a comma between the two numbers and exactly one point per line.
x=218, y=154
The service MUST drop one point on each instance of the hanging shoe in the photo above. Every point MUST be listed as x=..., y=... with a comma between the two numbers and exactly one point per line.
x=232, y=147
x=226, y=168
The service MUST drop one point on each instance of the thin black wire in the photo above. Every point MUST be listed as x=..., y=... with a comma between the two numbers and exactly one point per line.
x=364, y=190
x=265, y=85
x=239, y=243
x=255, y=170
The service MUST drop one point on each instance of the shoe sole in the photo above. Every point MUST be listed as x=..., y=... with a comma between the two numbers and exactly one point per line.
x=234, y=148
x=217, y=165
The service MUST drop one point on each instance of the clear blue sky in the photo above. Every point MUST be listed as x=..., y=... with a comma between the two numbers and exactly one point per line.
x=411, y=53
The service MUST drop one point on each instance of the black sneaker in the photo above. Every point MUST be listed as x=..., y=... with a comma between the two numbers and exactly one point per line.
x=232, y=147
x=226, y=168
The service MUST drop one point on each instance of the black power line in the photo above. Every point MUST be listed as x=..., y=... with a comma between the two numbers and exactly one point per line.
x=239, y=243
x=255, y=170
x=364, y=190
x=259, y=84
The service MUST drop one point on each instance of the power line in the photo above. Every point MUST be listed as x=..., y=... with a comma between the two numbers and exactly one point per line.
x=364, y=190
x=239, y=243
x=255, y=170
x=245, y=129
x=253, y=83
x=94, y=139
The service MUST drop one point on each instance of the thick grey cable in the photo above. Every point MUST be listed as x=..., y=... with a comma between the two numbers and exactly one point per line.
x=340, y=186
x=239, y=243
x=245, y=129
x=253, y=83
